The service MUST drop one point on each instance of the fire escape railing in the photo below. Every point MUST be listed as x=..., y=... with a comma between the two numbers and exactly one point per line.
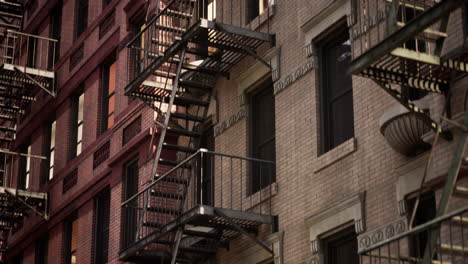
x=213, y=179
x=451, y=247
x=31, y=55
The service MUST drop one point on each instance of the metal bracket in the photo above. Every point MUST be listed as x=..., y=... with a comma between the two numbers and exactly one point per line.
x=248, y=50
x=34, y=81
x=240, y=229
x=45, y=216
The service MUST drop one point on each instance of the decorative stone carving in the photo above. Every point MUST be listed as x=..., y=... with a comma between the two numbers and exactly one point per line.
x=259, y=72
x=296, y=75
x=385, y=232
x=337, y=215
x=231, y=121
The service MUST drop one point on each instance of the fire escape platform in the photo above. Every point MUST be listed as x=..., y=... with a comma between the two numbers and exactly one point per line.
x=231, y=43
x=204, y=217
x=389, y=62
x=15, y=204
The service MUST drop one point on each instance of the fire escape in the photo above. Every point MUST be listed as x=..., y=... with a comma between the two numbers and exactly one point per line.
x=184, y=216
x=26, y=67
x=419, y=46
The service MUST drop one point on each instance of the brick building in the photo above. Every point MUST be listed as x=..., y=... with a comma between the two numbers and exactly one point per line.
x=243, y=131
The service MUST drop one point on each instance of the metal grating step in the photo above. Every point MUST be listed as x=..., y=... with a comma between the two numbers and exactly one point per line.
x=195, y=84
x=172, y=180
x=162, y=210
x=182, y=132
x=179, y=148
x=166, y=195
x=461, y=191
x=188, y=117
x=170, y=28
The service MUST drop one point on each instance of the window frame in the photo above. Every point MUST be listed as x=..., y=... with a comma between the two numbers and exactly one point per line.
x=68, y=250
x=55, y=33
x=101, y=229
x=328, y=242
x=41, y=250
x=81, y=12
x=251, y=189
x=76, y=142
x=128, y=234
x=25, y=168
x=105, y=96
x=426, y=199
x=254, y=9
x=334, y=35
x=50, y=133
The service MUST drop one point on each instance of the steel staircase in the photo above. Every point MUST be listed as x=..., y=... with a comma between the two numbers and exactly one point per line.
x=177, y=59
x=411, y=56
x=25, y=69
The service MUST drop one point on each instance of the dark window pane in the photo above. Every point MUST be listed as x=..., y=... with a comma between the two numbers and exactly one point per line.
x=337, y=119
x=81, y=20
x=426, y=211
x=101, y=229
x=55, y=33
x=342, y=248
x=131, y=188
x=41, y=250
x=262, y=137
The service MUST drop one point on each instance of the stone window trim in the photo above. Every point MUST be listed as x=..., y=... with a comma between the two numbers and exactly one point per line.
x=336, y=154
x=348, y=210
x=254, y=254
x=317, y=25
x=257, y=73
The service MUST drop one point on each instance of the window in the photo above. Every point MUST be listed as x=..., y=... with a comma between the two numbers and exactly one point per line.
x=341, y=248
x=336, y=106
x=41, y=250
x=262, y=137
x=31, y=50
x=55, y=33
x=426, y=211
x=49, y=151
x=81, y=17
x=406, y=14
x=71, y=238
x=77, y=126
x=25, y=168
x=256, y=8
x=130, y=189
x=108, y=95
x=101, y=227
x=105, y=3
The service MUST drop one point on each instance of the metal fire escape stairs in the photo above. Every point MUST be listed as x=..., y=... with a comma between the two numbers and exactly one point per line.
x=392, y=65
x=23, y=73
x=182, y=55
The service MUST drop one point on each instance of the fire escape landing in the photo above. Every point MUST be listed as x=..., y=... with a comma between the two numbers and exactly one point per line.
x=402, y=50
x=184, y=216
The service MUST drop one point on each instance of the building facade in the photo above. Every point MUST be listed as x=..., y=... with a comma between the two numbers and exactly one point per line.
x=243, y=131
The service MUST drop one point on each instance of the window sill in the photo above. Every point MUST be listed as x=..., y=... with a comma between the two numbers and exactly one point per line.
x=253, y=200
x=255, y=23
x=336, y=154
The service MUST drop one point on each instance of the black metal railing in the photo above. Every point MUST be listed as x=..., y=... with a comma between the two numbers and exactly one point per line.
x=372, y=22
x=172, y=18
x=451, y=231
x=26, y=50
x=204, y=178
